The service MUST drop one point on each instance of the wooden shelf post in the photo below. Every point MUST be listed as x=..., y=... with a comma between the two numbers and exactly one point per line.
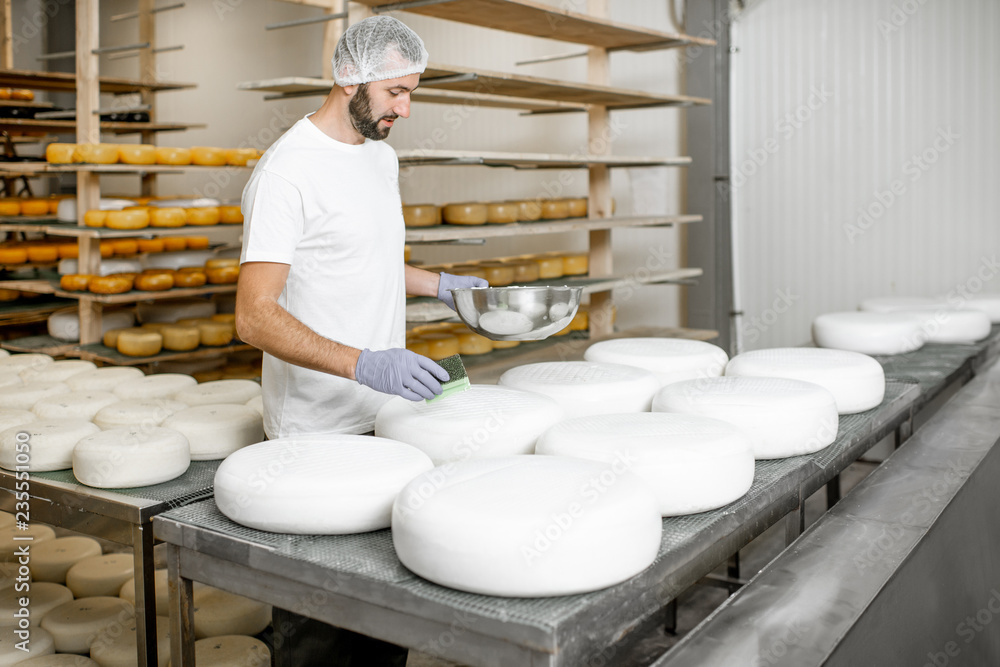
x=599, y=143
x=147, y=74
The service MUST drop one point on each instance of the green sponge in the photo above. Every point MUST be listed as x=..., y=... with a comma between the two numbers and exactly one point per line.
x=458, y=379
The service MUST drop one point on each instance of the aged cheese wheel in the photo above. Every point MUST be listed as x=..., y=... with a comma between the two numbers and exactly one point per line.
x=68, y=250
x=208, y=156
x=190, y=279
x=40, y=650
x=74, y=405
x=440, y=346
x=229, y=318
x=11, y=294
x=130, y=457
x=10, y=206
x=22, y=94
x=218, y=613
x=421, y=215
x=868, y=332
x=60, y=371
x=576, y=265
x=524, y=272
x=180, y=338
x=220, y=262
x=418, y=346
x=577, y=207
x=103, y=379
x=154, y=282
x=101, y=575
x=167, y=217
x=470, y=343
x=205, y=215
x=670, y=359
x=137, y=153
x=225, y=275
x=35, y=534
x=127, y=219
x=529, y=210
x=231, y=651
x=554, y=209
x=140, y=343
x=150, y=245
x=107, y=250
x=60, y=153
x=13, y=255
x=114, y=284
x=110, y=338
x=238, y=157
x=215, y=333
x=51, y=560
x=115, y=646
x=197, y=242
x=52, y=442
x=74, y=282
x=34, y=207
x=498, y=274
x=473, y=271
x=172, y=155
x=24, y=396
x=140, y=413
x=74, y=624
x=174, y=243
x=96, y=153
x=230, y=215
x=465, y=214
x=502, y=212
x=42, y=597
x=549, y=267
x=125, y=247
x=42, y=254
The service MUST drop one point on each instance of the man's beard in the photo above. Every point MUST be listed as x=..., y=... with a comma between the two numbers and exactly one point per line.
x=360, y=109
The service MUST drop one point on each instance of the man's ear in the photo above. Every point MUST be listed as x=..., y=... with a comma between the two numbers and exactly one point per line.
x=350, y=90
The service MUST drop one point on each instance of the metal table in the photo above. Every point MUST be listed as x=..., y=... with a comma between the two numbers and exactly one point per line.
x=121, y=516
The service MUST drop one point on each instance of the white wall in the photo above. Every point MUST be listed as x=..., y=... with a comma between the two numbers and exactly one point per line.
x=865, y=155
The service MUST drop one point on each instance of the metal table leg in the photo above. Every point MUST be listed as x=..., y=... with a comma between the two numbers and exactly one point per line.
x=833, y=491
x=145, y=594
x=181, y=612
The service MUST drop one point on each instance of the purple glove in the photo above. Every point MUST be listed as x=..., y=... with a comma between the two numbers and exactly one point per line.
x=401, y=372
x=450, y=282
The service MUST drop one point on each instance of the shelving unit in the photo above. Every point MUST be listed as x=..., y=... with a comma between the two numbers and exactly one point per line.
x=442, y=233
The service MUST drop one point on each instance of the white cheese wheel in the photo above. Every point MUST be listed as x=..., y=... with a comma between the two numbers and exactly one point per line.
x=60, y=371
x=520, y=526
x=51, y=560
x=161, y=584
x=586, y=388
x=257, y=403
x=12, y=418
x=354, y=478
x=115, y=646
x=173, y=310
x=109, y=266
x=219, y=391
x=175, y=259
x=4, y=354
x=669, y=359
x=690, y=463
x=59, y=660
x=41, y=647
x=10, y=379
x=944, y=325
x=485, y=420
x=13, y=539
x=782, y=417
x=868, y=333
x=25, y=396
x=10, y=572
x=231, y=651
x=42, y=598
x=19, y=362
x=50, y=444
x=856, y=381
x=123, y=458
x=144, y=413
x=163, y=385
x=99, y=575
x=986, y=303
x=896, y=303
x=103, y=379
x=74, y=624
x=74, y=405
x=216, y=431
x=65, y=324
x=218, y=613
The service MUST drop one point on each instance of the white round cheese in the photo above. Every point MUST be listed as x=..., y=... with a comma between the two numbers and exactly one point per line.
x=161, y=584
x=65, y=324
x=317, y=485
x=856, y=381
x=485, y=420
x=216, y=431
x=16, y=363
x=690, y=463
x=60, y=371
x=137, y=414
x=42, y=598
x=103, y=379
x=944, y=325
x=99, y=575
x=986, y=303
x=868, y=333
x=115, y=645
x=124, y=458
x=894, y=304
x=4, y=354
x=256, y=403
x=74, y=624
x=109, y=266
x=59, y=660
x=177, y=259
x=13, y=539
x=175, y=309
x=163, y=385
x=40, y=648
x=586, y=388
x=52, y=559
x=12, y=418
x=669, y=359
x=50, y=444
x=25, y=396
x=219, y=391
x=782, y=417
x=218, y=613
x=9, y=574
x=231, y=651
x=74, y=405
x=10, y=379
x=527, y=526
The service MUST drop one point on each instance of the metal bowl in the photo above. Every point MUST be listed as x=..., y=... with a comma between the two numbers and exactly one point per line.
x=517, y=313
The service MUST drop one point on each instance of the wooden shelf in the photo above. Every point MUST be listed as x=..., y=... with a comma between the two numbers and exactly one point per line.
x=15, y=78
x=27, y=311
x=40, y=285
x=445, y=158
x=540, y=20
x=31, y=125
x=39, y=168
x=23, y=223
x=39, y=345
x=25, y=104
x=440, y=233
x=71, y=230
x=97, y=352
x=138, y=295
x=27, y=265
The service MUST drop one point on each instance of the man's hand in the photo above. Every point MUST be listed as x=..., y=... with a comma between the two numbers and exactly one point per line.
x=450, y=282
x=401, y=372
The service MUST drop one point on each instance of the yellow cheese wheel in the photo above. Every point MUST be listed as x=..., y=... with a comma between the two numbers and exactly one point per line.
x=172, y=155
x=10, y=206
x=228, y=318
x=74, y=282
x=190, y=279
x=154, y=282
x=13, y=255
x=555, y=209
x=472, y=343
x=137, y=153
x=468, y=213
x=177, y=338
x=219, y=262
x=215, y=333
x=421, y=215
x=577, y=207
x=580, y=321
x=225, y=275
x=419, y=346
x=562, y=332
x=107, y=250
x=110, y=338
x=238, y=157
x=140, y=343
x=35, y=207
x=127, y=219
x=125, y=247
x=42, y=254
x=150, y=245
x=230, y=215
x=529, y=210
x=502, y=212
x=114, y=284
x=174, y=243
x=549, y=267
x=97, y=153
x=204, y=215
x=158, y=327
x=197, y=242
x=505, y=344
x=22, y=94
x=498, y=274
x=207, y=376
x=576, y=265
x=407, y=253
x=192, y=321
x=9, y=294
x=68, y=250
x=473, y=271
x=440, y=345
x=208, y=156
x=138, y=207
x=5, y=93
x=524, y=272
x=61, y=153
x=167, y=217
x=95, y=218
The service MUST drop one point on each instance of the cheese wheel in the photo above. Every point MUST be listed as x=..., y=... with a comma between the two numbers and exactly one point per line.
x=34, y=207
x=60, y=153
x=949, y=326
x=180, y=338
x=130, y=457
x=421, y=215
x=215, y=333
x=356, y=478
x=495, y=527
x=10, y=206
x=586, y=388
x=231, y=651
x=256, y=403
x=110, y=338
x=59, y=660
x=40, y=649
x=524, y=272
x=137, y=153
x=154, y=282
x=190, y=279
x=216, y=431
x=473, y=271
x=34, y=535
x=580, y=321
x=163, y=385
x=219, y=392
x=174, y=244
x=440, y=346
x=42, y=597
x=13, y=295
x=65, y=324
x=138, y=413
x=549, y=267
x=74, y=282
x=60, y=371
x=107, y=250
x=114, y=284
x=150, y=245
x=226, y=275
x=197, y=242
x=238, y=157
x=175, y=260
x=206, y=215
x=42, y=254
x=498, y=274
x=74, y=405
x=108, y=268
x=208, y=156
x=51, y=443
x=9, y=572
x=502, y=212
x=419, y=346
x=96, y=153
x=484, y=421
x=172, y=155
x=101, y=575
x=576, y=265
x=139, y=343
x=125, y=246
x=986, y=303
x=24, y=396
x=15, y=418
x=18, y=363
x=22, y=94
x=577, y=207
x=669, y=359
x=471, y=343
x=219, y=262
x=529, y=210
x=782, y=417
x=103, y=379
x=167, y=217
x=68, y=250
x=116, y=646
x=230, y=215
x=554, y=209
x=162, y=586
x=51, y=560
x=856, y=381
x=219, y=613
x=173, y=310
x=229, y=318
x=465, y=214
x=74, y=624
x=869, y=333
x=126, y=219
x=897, y=303
x=13, y=255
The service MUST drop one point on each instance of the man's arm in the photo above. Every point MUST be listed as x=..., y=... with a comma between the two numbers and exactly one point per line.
x=420, y=282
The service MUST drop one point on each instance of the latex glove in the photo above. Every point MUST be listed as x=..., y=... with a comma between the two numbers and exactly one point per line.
x=450, y=282
x=401, y=372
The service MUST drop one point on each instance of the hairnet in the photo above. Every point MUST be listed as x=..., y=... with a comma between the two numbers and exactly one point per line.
x=375, y=49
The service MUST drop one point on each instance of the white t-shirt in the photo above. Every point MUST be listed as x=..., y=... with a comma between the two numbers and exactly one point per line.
x=332, y=212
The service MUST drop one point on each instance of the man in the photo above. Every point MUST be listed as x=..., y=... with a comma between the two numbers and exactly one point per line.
x=322, y=285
